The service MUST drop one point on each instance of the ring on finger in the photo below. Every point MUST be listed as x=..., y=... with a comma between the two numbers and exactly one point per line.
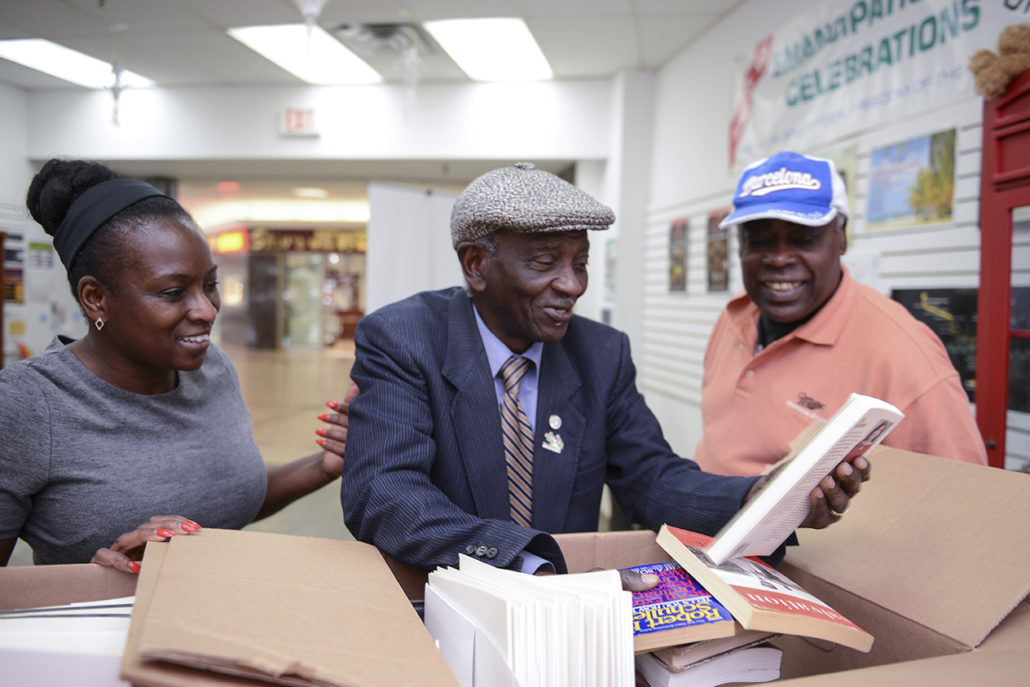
x=839, y=513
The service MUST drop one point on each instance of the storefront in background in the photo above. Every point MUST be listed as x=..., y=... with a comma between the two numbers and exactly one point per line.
x=286, y=288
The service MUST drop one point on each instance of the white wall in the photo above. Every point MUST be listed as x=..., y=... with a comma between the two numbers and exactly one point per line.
x=409, y=243
x=567, y=119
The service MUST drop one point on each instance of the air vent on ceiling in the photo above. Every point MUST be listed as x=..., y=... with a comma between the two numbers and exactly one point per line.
x=401, y=52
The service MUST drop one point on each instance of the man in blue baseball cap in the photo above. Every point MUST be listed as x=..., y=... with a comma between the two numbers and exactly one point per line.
x=805, y=335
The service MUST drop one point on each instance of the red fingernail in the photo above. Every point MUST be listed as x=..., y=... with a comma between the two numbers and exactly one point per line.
x=190, y=526
x=134, y=566
x=164, y=532
x=320, y=442
x=323, y=417
x=332, y=404
x=320, y=432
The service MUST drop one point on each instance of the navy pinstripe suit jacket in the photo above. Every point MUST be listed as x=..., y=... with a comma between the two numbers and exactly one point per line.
x=424, y=478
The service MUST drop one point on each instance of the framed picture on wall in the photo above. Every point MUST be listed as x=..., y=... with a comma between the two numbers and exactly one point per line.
x=678, y=232
x=912, y=182
x=718, y=252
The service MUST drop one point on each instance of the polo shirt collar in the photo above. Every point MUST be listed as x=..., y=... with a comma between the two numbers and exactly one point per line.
x=825, y=327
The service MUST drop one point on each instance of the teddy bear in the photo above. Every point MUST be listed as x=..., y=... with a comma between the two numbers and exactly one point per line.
x=993, y=73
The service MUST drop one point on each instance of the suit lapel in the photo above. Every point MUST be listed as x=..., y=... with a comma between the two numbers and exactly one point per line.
x=474, y=413
x=554, y=473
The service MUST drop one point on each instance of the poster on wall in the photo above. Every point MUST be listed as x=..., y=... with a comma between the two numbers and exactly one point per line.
x=843, y=66
x=678, y=255
x=951, y=314
x=912, y=182
x=14, y=269
x=14, y=285
x=718, y=252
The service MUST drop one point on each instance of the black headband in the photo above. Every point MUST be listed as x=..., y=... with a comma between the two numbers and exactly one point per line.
x=94, y=207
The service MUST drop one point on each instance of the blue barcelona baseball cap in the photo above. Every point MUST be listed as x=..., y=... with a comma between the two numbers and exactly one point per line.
x=792, y=187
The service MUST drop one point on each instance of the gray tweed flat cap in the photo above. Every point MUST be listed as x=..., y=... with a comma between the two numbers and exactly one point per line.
x=525, y=199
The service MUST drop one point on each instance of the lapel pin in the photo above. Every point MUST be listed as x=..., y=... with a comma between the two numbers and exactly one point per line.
x=553, y=442
x=554, y=421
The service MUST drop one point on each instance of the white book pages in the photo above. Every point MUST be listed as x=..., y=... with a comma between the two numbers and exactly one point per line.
x=470, y=651
x=573, y=630
x=95, y=627
x=782, y=504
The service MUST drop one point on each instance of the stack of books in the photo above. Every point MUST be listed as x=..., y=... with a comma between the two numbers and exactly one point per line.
x=682, y=635
x=751, y=661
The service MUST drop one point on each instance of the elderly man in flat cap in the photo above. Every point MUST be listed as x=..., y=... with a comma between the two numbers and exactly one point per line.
x=492, y=416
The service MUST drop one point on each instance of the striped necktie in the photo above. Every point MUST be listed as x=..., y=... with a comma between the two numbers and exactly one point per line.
x=518, y=442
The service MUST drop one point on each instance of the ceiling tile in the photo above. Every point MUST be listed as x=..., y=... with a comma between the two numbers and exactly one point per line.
x=586, y=46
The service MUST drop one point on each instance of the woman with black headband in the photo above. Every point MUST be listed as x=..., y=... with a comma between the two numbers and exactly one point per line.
x=142, y=416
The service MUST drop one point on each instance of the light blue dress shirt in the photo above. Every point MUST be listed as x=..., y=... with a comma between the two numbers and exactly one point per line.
x=497, y=353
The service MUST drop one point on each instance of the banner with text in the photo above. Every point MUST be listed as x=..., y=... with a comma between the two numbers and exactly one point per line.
x=848, y=65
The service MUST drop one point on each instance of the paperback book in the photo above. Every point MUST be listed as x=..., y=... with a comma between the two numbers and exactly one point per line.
x=782, y=504
x=759, y=596
x=677, y=611
x=682, y=655
x=746, y=664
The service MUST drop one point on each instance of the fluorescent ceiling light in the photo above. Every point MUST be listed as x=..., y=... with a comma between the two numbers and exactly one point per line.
x=310, y=192
x=492, y=49
x=309, y=53
x=65, y=63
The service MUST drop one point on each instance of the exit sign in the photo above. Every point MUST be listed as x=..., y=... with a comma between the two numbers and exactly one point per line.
x=296, y=121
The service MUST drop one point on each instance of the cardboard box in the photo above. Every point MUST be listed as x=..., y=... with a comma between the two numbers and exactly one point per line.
x=930, y=559
x=53, y=585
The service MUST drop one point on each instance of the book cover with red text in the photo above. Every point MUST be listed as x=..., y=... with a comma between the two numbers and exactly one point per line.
x=677, y=611
x=759, y=596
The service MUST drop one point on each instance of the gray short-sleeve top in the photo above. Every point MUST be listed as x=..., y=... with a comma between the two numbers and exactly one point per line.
x=82, y=461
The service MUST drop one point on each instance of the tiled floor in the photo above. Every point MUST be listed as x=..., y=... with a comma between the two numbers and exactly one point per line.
x=286, y=391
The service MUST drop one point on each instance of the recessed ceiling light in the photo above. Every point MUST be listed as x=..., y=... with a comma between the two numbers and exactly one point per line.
x=65, y=63
x=310, y=192
x=492, y=49
x=307, y=52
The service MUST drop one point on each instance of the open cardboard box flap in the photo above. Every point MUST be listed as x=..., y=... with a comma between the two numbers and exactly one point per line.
x=297, y=610
x=931, y=557
x=942, y=543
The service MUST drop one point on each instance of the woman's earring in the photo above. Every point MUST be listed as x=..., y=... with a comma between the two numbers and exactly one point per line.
x=99, y=324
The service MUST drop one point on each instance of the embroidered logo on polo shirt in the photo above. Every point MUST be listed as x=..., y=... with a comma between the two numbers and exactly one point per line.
x=809, y=402
x=806, y=405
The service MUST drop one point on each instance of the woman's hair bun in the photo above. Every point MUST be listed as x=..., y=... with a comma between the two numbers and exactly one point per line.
x=56, y=186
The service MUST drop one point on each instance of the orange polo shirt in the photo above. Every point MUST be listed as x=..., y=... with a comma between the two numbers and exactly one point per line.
x=860, y=341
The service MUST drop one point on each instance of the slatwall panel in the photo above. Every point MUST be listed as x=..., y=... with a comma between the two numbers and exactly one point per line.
x=676, y=326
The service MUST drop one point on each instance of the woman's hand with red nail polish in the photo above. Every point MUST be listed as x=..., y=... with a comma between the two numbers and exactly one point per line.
x=334, y=437
x=128, y=548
